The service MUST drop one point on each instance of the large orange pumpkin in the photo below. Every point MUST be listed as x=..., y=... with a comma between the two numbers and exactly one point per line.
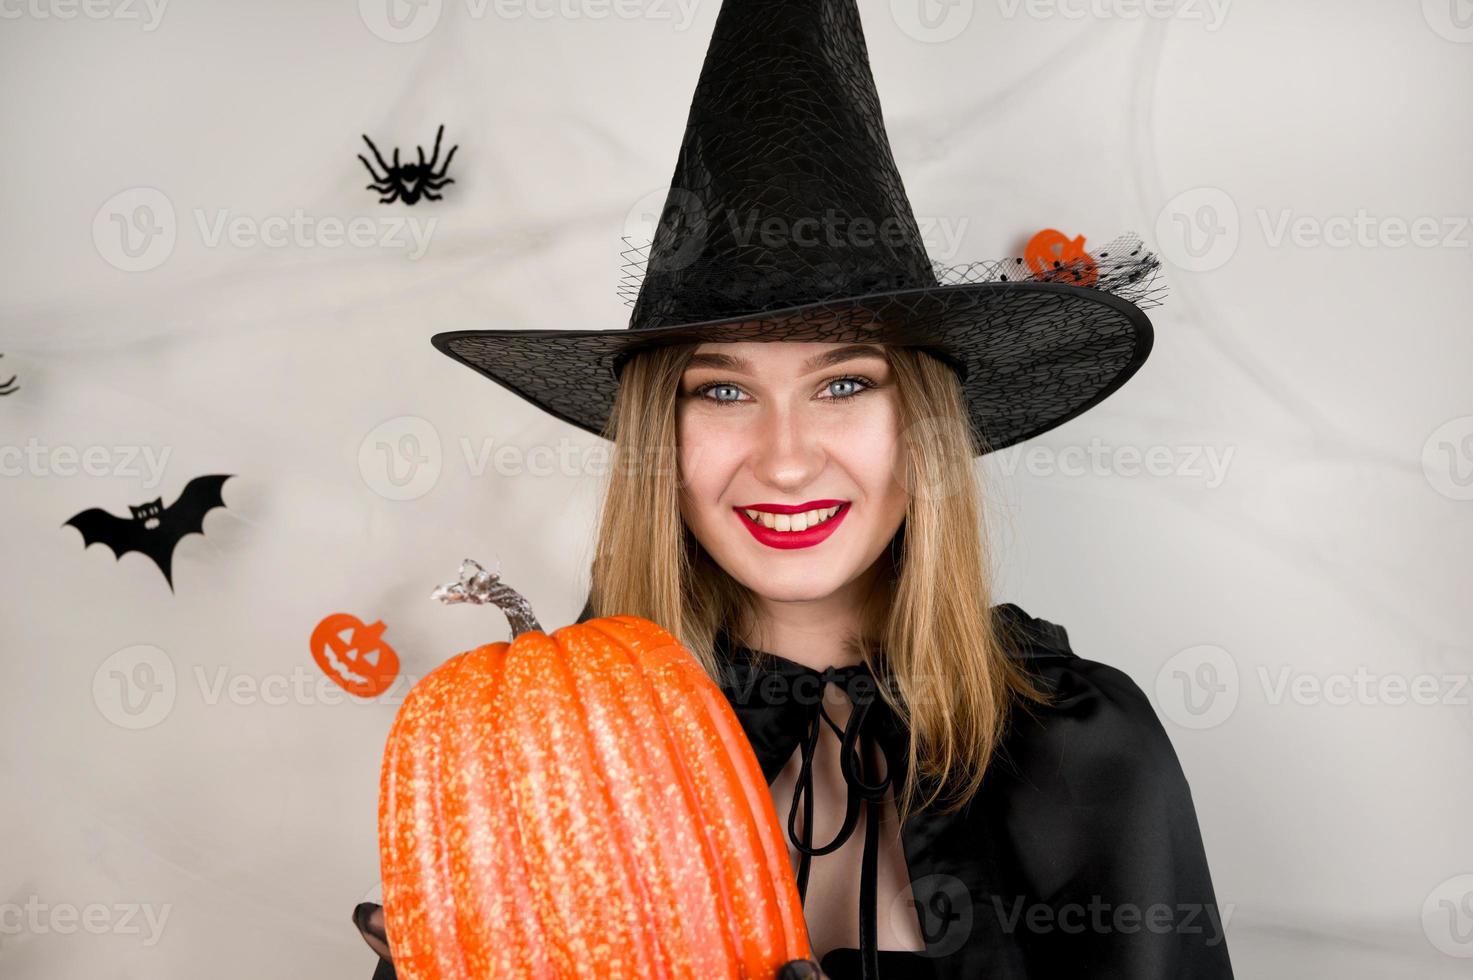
x=580, y=804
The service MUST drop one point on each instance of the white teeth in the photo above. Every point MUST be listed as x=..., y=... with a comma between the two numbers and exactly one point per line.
x=792, y=522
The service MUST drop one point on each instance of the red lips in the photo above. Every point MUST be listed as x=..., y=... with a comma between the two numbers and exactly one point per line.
x=787, y=540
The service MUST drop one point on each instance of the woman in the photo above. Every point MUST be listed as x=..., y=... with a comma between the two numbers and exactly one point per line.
x=1072, y=822
x=963, y=795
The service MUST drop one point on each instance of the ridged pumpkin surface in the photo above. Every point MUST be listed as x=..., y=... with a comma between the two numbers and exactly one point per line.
x=583, y=804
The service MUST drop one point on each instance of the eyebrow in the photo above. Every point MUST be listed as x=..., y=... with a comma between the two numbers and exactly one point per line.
x=822, y=359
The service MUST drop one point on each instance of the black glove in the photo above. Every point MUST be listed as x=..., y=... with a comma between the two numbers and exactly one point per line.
x=369, y=918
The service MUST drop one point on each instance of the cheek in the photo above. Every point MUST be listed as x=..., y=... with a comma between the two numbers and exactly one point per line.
x=877, y=425
x=708, y=453
x=873, y=450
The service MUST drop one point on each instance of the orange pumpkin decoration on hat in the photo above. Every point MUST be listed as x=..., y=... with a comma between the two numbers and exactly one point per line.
x=578, y=804
x=1055, y=257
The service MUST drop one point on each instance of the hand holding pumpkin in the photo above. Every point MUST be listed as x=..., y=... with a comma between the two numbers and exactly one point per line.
x=585, y=799
x=369, y=918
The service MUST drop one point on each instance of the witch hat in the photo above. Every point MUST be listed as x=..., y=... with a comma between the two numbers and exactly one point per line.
x=786, y=219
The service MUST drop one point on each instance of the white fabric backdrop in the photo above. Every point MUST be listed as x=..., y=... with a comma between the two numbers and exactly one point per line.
x=232, y=833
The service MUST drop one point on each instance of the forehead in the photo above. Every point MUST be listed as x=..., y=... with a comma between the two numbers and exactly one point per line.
x=784, y=355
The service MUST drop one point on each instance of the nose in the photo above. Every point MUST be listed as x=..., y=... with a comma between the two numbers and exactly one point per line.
x=787, y=453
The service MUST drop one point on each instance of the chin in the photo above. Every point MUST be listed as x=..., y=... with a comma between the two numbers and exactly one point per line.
x=804, y=580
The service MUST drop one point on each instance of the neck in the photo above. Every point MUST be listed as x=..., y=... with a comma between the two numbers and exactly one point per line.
x=817, y=633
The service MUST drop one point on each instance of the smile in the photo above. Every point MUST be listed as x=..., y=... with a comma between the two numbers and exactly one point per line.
x=800, y=529
x=792, y=522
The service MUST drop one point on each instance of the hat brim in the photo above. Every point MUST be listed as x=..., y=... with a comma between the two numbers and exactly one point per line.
x=1032, y=355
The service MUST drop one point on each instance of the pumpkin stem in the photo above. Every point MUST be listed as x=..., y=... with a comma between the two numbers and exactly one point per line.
x=478, y=585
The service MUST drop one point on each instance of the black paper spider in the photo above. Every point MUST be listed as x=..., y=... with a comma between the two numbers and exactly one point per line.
x=8, y=386
x=411, y=180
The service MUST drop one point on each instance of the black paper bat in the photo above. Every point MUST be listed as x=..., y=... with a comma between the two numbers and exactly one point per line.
x=154, y=529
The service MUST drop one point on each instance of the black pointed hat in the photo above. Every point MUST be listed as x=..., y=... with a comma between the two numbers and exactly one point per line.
x=786, y=219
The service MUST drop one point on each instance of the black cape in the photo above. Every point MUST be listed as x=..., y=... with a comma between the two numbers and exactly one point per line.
x=1079, y=857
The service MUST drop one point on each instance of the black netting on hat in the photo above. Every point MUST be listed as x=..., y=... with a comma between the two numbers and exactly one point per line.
x=1124, y=267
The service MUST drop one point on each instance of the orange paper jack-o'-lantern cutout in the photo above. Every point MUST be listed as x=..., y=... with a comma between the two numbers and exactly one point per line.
x=1053, y=256
x=355, y=656
x=581, y=804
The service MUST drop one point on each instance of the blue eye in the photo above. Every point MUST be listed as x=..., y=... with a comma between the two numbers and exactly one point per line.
x=701, y=391
x=862, y=383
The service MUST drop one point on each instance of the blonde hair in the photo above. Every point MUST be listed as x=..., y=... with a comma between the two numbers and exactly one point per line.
x=929, y=616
